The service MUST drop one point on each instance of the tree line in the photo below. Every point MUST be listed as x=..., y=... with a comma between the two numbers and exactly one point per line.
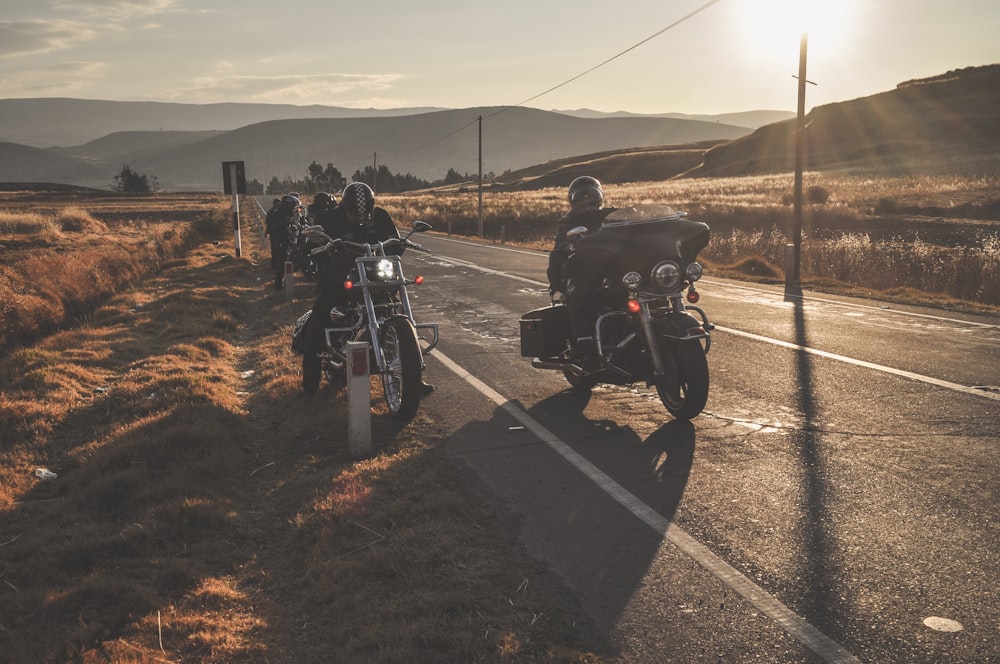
x=329, y=178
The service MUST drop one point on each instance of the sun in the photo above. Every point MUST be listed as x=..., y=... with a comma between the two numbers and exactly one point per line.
x=772, y=29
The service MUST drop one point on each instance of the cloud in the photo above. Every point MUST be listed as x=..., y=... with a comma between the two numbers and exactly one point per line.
x=116, y=8
x=290, y=89
x=34, y=37
x=56, y=80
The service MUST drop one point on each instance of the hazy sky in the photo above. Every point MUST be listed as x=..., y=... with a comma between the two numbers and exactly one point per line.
x=734, y=55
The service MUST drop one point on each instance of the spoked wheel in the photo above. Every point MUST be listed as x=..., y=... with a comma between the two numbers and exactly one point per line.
x=401, y=378
x=683, y=389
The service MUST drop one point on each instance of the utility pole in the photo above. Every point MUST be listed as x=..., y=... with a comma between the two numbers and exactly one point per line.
x=480, y=176
x=374, y=169
x=800, y=152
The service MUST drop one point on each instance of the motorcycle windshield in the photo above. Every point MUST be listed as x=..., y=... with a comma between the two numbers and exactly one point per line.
x=639, y=236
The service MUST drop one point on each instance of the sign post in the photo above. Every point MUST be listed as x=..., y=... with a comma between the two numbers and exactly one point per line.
x=234, y=182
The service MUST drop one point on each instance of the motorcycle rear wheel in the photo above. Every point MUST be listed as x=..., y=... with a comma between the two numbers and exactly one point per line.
x=401, y=378
x=687, y=398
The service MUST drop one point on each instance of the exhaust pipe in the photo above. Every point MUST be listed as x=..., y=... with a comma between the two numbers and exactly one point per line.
x=539, y=363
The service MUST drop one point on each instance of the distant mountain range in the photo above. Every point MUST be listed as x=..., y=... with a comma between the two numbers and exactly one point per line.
x=187, y=150
x=945, y=123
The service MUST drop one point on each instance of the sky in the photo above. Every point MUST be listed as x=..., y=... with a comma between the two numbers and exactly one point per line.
x=641, y=56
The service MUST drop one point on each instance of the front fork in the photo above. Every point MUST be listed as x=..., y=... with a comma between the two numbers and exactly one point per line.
x=685, y=327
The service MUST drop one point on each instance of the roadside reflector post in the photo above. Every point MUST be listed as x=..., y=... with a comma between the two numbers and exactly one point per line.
x=359, y=400
x=289, y=280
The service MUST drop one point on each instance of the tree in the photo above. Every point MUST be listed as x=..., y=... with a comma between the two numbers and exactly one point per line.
x=131, y=182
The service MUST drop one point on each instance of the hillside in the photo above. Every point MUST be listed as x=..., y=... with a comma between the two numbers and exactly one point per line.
x=425, y=145
x=942, y=123
x=49, y=122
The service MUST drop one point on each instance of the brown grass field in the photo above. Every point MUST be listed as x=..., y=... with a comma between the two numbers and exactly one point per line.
x=203, y=510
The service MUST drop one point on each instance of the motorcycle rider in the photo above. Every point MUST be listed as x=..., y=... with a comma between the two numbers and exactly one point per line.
x=276, y=229
x=322, y=203
x=355, y=219
x=571, y=281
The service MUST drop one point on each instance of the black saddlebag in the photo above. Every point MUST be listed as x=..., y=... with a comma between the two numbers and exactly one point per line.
x=544, y=332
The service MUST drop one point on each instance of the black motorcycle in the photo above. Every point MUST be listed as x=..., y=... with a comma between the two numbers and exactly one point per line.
x=378, y=312
x=300, y=246
x=644, y=256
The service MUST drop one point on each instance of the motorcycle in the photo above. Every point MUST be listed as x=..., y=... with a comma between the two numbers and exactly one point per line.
x=378, y=311
x=299, y=246
x=644, y=331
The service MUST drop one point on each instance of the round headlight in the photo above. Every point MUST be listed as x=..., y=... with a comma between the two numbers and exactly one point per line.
x=384, y=269
x=631, y=280
x=666, y=275
x=693, y=272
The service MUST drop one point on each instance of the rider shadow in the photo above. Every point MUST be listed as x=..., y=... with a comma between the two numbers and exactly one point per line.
x=655, y=468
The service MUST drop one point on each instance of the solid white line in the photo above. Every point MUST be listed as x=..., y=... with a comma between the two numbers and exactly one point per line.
x=868, y=365
x=851, y=305
x=989, y=394
x=805, y=633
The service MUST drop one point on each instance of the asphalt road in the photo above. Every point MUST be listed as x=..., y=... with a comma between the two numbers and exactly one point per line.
x=835, y=502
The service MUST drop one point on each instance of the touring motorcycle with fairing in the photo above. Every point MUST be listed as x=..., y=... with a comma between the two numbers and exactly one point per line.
x=645, y=256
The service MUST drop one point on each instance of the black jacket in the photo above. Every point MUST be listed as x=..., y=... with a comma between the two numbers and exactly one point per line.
x=334, y=267
x=592, y=219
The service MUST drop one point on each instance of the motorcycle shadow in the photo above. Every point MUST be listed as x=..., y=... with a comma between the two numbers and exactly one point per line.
x=655, y=468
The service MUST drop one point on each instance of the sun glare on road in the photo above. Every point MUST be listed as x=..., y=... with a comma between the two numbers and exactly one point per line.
x=771, y=29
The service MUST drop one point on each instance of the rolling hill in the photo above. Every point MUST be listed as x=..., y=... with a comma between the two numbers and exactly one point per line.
x=946, y=123
x=425, y=145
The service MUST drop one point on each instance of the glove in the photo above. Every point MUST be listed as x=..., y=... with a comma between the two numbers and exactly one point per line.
x=558, y=297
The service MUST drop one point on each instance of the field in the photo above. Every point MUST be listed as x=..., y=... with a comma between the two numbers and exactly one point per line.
x=932, y=239
x=202, y=510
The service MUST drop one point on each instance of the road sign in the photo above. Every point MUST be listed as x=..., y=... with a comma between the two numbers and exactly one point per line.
x=240, y=179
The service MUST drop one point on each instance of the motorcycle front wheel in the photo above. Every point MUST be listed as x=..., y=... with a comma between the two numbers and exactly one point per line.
x=684, y=389
x=401, y=378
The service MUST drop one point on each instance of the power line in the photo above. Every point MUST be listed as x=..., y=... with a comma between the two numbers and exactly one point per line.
x=614, y=57
x=684, y=18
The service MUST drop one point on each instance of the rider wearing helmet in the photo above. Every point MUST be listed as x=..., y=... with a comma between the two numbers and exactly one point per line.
x=276, y=229
x=356, y=219
x=572, y=283
x=322, y=202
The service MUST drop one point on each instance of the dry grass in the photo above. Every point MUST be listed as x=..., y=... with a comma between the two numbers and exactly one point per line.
x=936, y=235
x=203, y=510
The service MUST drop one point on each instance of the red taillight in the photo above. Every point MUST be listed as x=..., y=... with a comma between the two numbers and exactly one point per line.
x=348, y=285
x=693, y=296
x=634, y=306
x=419, y=280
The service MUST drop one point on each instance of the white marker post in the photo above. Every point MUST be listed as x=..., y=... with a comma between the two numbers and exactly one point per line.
x=359, y=400
x=289, y=280
x=234, y=182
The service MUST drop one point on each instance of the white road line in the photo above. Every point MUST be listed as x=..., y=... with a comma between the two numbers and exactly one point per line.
x=989, y=394
x=849, y=305
x=796, y=626
x=868, y=365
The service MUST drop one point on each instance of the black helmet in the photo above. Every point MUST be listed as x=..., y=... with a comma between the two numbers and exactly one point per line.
x=585, y=192
x=276, y=202
x=323, y=198
x=358, y=199
x=288, y=200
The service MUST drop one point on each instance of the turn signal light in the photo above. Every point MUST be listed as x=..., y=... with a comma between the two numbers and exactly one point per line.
x=634, y=306
x=693, y=297
x=348, y=285
x=419, y=280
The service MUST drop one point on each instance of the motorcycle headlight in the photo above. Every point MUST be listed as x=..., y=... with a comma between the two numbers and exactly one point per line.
x=385, y=269
x=666, y=275
x=632, y=280
x=693, y=272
